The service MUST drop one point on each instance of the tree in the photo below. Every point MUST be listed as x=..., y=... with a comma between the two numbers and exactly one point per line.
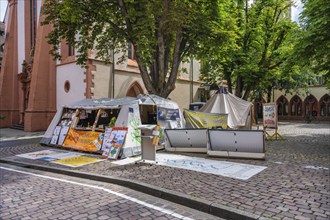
x=260, y=58
x=313, y=49
x=163, y=32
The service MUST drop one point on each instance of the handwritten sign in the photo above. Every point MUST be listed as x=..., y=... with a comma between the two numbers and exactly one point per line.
x=270, y=115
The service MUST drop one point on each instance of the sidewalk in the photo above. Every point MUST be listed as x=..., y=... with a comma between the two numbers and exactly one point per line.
x=295, y=184
x=7, y=134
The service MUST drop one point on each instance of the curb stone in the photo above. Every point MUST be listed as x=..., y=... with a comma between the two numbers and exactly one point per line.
x=170, y=195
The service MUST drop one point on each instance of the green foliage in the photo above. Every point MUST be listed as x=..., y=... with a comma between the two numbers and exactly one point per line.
x=112, y=122
x=163, y=32
x=259, y=55
x=313, y=49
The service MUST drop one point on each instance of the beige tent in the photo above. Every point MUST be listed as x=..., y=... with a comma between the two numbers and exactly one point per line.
x=238, y=110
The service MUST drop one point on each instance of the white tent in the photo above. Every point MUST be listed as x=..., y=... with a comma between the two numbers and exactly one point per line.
x=129, y=116
x=223, y=102
x=129, y=112
x=172, y=117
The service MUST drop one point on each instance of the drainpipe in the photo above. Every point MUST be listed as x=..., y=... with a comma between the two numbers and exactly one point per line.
x=112, y=77
x=192, y=80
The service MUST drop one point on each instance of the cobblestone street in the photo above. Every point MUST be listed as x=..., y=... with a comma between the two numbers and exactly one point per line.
x=295, y=185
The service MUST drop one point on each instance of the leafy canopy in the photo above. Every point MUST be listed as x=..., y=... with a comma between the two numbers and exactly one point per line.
x=260, y=57
x=163, y=32
x=313, y=49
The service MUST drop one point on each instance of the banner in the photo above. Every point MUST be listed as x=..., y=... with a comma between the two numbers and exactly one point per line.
x=90, y=141
x=270, y=115
x=205, y=120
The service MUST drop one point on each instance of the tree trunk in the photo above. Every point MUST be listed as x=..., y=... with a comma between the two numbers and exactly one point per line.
x=269, y=94
x=239, y=87
x=170, y=84
x=227, y=77
x=247, y=93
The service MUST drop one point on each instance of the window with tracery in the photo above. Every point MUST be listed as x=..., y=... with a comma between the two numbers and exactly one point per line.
x=310, y=105
x=282, y=106
x=296, y=106
x=325, y=105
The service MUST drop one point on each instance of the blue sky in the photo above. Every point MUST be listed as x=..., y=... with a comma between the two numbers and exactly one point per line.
x=3, y=6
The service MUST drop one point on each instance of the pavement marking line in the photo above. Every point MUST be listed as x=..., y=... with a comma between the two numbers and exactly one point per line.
x=165, y=211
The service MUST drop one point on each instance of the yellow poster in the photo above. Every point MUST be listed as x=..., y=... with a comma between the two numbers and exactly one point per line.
x=206, y=120
x=76, y=161
x=90, y=141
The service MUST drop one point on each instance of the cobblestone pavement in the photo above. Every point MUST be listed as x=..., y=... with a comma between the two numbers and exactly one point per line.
x=52, y=196
x=295, y=185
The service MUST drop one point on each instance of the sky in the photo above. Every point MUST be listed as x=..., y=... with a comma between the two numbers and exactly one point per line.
x=3, y=6
x=295, y=10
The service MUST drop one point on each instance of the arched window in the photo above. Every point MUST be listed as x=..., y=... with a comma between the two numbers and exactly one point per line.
x=296, y=106
x=282, y=106
x=310, y=105
x=325, y=105
x=134, y=90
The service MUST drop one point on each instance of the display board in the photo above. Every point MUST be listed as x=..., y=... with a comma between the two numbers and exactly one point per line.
x=205, y=120
x=186, y=140
x=56, y=135
x=90, y=141
x=270, y=115
x=169, y=116
x=113, y=141
x=236, y=143
x=63, y=133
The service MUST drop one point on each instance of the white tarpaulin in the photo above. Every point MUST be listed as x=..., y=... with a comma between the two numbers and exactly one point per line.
x=224, y=102
x=223, y=168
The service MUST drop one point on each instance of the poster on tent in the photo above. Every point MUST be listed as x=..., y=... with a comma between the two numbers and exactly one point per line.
x=129, y=116
x=270, y=115
x=56, y=134
x=113, y=143
x=205, y=120
x=106, y=138
x=89, y=141
x=63, y=133
x=169, y=116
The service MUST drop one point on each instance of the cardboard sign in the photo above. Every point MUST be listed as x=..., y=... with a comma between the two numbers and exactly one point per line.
x=112, y=143
x=90, y=141
x=270, y=115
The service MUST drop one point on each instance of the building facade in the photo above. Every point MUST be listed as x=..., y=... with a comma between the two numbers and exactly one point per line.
x=313, y=105
x=2, y=40
x=33, y=86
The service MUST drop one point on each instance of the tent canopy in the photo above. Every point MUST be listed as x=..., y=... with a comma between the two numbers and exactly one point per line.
x=102, y=103
x=107, y=103
x=157, y=100
x=224, y=102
